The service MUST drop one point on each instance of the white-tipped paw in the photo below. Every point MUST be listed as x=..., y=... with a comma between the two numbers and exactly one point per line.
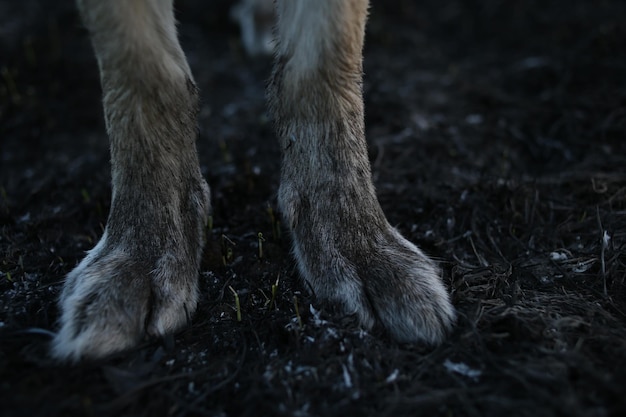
x=140, y=280
x=112, y=300
x=383, y=280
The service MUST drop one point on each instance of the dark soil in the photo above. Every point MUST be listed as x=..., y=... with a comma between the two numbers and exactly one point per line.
x=497, y=139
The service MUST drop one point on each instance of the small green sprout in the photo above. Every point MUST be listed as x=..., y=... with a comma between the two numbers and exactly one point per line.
x=227, y=251
x=261, y=240
x=271, y=302
x=9, y=81
x=29, y=51
x=237, y=303
x=85, y=194
x=225, y=153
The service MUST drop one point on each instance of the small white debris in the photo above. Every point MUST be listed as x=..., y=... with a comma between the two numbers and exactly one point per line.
x=170, y=362
x=474, y=119
x=421, y=121
x=317, y=320
x=545, y=279
x=606, y=238
x=347, y=379
x=558, y=256
x=331, y=333
x=462, y=369
x=393, y=377
x=532, y=62
x=583, y=266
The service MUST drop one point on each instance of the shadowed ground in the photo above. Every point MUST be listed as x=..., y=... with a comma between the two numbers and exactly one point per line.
x=497, y=138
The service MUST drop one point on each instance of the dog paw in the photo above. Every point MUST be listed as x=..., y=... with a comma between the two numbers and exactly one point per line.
x=353, y=258
x=140, y=280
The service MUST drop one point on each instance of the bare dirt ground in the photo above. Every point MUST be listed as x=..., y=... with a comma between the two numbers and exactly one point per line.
x=497, y=140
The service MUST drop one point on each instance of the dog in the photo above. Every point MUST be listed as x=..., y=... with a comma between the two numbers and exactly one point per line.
x=141, y=277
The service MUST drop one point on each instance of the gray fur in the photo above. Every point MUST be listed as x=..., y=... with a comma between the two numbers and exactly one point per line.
x=141, y=278
x=344, y=246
